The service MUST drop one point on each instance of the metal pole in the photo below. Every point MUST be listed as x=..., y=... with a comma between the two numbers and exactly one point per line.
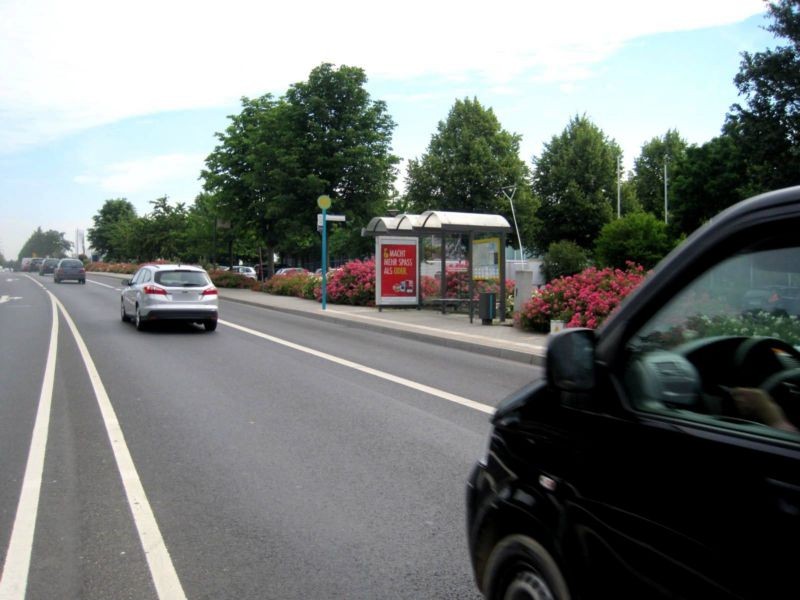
x=619, y=210
x=514, y=216
x=665, y=191
x=324, y=258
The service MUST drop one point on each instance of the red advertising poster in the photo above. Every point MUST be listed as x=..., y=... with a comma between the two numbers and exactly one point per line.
x=397, y=268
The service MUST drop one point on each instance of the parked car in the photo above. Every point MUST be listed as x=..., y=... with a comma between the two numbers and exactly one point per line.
x=48, y=266
x=659, y=456
x=69, y=269
x=291, y=271
x=248, y=272
x=170, y=293
x=775, y=299
x=25, y=264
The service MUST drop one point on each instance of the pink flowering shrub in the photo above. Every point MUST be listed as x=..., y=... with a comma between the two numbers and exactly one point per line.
x=581, y=300
x=353, y=284
x=457, y=282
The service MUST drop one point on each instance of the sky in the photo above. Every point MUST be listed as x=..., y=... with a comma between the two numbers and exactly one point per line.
x=103, y=99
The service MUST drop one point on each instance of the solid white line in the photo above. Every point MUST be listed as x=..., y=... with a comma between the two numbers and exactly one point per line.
x=369, y=370
x=14, y=579
x=165, y=578
x=111, y=287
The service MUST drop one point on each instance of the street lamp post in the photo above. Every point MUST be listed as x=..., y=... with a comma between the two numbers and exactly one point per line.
x=513, y=189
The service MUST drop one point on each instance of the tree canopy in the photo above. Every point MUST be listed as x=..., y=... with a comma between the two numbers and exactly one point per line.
x=767, y=126
x=470, y=161
x=325, y=136
x=115, y=217
x=649, y=169
x=575, y=179
x=45, y=243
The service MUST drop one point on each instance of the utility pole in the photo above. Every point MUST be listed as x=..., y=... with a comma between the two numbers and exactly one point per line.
x=619, y=193
x=666, y=203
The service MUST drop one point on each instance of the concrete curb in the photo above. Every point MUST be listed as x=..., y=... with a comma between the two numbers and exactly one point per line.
x=407, y=331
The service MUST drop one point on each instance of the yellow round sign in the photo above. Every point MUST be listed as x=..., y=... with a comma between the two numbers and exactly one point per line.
x=324, y=202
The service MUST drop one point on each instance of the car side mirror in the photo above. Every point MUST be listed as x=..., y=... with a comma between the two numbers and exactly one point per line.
x=126, y=282
x=570, y=360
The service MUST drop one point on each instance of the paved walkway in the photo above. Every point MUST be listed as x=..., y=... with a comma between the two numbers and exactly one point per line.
x=452, y=329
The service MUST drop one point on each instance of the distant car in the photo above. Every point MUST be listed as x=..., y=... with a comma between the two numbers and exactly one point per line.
x=25, y=264
x=48, y=266
x=774, y=299
x=291, y=271
x=69, y=269
x=33, y=266
x=170, y=293
x=248, y=272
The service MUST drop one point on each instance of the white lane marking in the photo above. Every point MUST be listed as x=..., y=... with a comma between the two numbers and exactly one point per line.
x=165, y=578
x=4, y=299
x=368, y=370
x=111, y=287
x=14, y=579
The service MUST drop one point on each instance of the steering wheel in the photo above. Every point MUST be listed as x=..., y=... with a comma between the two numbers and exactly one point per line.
x=757, y=359
x=757, y=363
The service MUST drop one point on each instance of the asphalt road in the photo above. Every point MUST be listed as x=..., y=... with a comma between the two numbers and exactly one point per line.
x=279, y=457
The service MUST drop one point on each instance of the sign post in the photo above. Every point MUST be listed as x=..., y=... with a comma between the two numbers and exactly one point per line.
x=324, y=202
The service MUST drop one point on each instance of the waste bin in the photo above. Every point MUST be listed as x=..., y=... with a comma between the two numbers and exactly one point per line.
x=487, y=310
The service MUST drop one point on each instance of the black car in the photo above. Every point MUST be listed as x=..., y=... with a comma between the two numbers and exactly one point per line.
x=69, y=269
x=35, y=265
x=48, y=266
x=660, y=455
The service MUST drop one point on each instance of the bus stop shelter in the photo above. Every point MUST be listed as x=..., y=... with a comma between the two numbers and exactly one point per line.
x=442, y=224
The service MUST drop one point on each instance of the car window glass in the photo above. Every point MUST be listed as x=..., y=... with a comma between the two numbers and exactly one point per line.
x=181, y=278
x=726, y=349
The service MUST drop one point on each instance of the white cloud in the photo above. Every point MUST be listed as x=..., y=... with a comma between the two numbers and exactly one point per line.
x=72, y=65
x=148, y=174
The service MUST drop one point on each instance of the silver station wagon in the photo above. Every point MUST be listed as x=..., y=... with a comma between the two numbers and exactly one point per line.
x=170, y=293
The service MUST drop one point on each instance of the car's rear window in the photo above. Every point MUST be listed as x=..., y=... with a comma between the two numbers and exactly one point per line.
x=71, y=263
x=181, y=278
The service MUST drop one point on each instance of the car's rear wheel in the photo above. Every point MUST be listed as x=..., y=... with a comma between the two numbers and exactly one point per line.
x=138, y=321
x=123, y=315
x=520, y=568
x=210, y=324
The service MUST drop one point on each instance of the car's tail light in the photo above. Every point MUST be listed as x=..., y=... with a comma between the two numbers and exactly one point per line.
x=154, y=290
x=82, y=271
x=210, y=292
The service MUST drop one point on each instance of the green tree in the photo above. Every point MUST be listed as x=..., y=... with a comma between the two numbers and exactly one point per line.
x=562, y=259
x=639, y=237
x=325, y=136
x=45, y=243
x=708, y=179
x=163, y=231
x=469, y=162
x=575, y=179
x=767, y=128
x=114, y=213
x=649, y=169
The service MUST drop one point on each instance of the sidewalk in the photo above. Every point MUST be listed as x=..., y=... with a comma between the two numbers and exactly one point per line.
x=452, y=330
